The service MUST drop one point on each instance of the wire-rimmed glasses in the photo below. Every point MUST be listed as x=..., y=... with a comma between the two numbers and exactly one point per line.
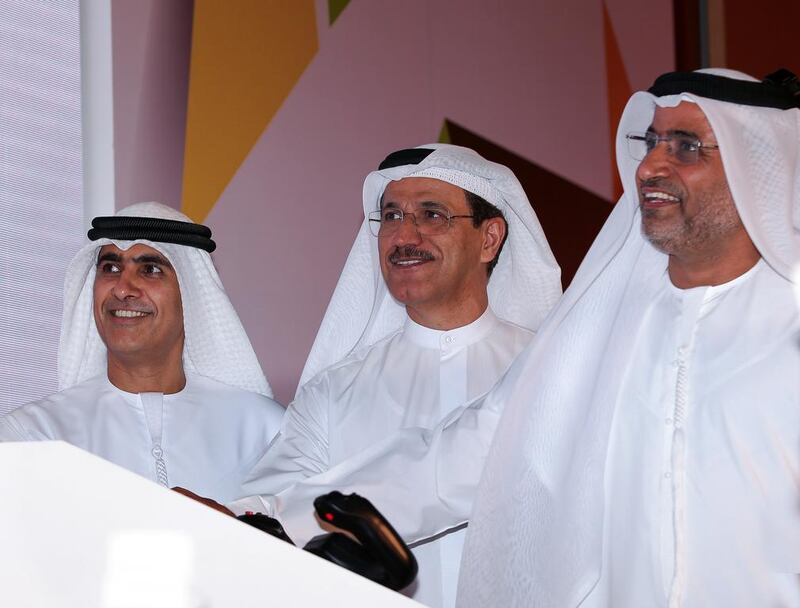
x=428, y=221
x=683, y=148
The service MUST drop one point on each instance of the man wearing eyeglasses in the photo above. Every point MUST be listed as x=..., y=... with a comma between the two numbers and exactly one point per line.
x=646, y=445
x=428, y=314
x=685, y=202
x=669, y=374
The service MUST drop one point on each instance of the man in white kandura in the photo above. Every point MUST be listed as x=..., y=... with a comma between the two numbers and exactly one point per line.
x=649, y=454
x=411, y=333
x=647, y=444
x=155, y=371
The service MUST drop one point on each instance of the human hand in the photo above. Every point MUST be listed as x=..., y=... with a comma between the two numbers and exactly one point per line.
x=206, y=501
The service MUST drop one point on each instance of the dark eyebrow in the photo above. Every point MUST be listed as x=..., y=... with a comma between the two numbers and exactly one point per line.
x=674, y=132
x=152, y=259
x=683, y=133
x=423, y=205
x=141, y=259
x=109, y=257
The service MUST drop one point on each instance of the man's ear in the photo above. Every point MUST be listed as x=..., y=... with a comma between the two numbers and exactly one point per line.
x=494, y=231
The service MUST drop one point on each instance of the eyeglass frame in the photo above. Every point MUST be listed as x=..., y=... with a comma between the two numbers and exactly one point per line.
x=640, y=136
x=376, y=217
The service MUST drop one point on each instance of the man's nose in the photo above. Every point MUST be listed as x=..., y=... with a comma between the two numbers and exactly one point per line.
x=127, y=285
x=408, y=231
x=656, y=163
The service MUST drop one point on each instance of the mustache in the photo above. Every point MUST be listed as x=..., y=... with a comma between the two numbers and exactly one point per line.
x=660, y=183
x=409, y=251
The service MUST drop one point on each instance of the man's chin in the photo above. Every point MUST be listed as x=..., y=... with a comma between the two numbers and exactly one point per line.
x=665, y=243
x=404, y=278
x=662, y=235
x=409, y=295
x=126, y=344
x=126, y=352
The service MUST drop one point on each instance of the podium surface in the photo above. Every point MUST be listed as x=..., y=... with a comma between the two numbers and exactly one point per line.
x=76, y=530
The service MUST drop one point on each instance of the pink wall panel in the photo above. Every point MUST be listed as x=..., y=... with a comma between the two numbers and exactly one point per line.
x=151, y=44
x=286, y=221
x=528, y=76
x=495, y=73
x=644, y=33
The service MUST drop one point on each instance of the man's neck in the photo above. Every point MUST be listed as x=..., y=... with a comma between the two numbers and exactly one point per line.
x=699, y=270
x=447, y=317
x=146, y=377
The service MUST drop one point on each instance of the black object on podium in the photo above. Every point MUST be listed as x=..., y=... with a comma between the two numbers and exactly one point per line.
x=378, y=553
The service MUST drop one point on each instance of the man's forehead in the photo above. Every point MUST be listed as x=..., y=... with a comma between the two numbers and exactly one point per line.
x=134, y=252
x=686, y=116
x=417, y=188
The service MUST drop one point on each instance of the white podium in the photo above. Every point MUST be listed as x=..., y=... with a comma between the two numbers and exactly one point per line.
x=78, y=531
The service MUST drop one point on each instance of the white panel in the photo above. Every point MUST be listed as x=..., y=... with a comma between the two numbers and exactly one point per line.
x=41, y=209
x=77, y=531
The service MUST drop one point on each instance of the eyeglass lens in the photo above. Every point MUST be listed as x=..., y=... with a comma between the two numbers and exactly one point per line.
x=683, y=148
x=427, y=221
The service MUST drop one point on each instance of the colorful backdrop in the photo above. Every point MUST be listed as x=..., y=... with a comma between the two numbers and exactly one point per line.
x=261, y=118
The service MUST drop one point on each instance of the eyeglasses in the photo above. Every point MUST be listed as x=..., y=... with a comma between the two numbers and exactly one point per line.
x=429, y=222
x=683, y=148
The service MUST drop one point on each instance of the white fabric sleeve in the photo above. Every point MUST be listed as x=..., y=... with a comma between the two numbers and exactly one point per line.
x=11, y=430
x=298, y=451
x=271, y=417
x=423, y=481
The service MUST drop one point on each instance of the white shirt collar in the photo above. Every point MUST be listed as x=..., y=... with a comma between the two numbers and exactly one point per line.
x=717, y=290
x=709, y=293
x=133, y=398
x=450, y=338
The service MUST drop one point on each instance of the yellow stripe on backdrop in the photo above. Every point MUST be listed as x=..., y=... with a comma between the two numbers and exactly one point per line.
x=246, y=57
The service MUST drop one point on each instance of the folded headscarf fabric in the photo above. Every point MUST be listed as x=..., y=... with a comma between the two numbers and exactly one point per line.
x=535, y=538
x=523, y=287
x=216, y=345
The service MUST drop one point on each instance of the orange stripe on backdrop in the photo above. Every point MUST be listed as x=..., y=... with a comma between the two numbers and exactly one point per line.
x=618, y=89
x=246, y=57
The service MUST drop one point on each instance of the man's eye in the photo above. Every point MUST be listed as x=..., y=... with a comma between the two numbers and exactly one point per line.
x=650, y=141
x=392, y=216
x=151, y=269
x=109, y=267
x=433, y=215
x=687, y=145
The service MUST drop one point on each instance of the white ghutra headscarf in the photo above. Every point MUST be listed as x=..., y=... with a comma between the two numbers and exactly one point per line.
x=535, y=537
x=216, y=345
x=524, y=285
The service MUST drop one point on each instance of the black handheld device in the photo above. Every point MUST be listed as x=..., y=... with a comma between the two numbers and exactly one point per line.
x=388, y=560
x=267, y=524
x=378, y=553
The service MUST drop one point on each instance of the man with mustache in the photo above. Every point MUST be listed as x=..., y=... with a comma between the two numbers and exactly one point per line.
x=674, y=480
x=646, y=445
x=155, y=370
x=428, y=314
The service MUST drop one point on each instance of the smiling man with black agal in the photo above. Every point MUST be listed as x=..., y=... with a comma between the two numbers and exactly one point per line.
x=433, y=305
x=155, y=370
x=669, y=373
